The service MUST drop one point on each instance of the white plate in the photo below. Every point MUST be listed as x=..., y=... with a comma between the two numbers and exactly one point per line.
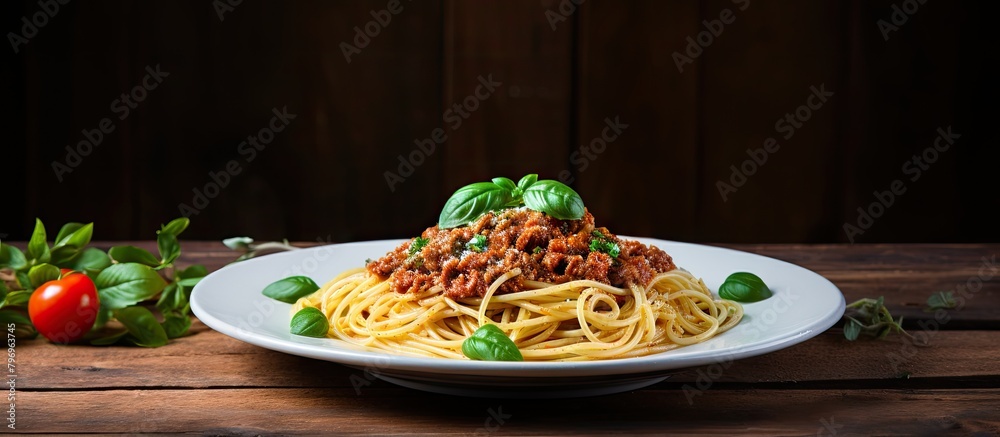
x=804, y=304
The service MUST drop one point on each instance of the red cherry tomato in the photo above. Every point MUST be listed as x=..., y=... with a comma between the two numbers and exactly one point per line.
x=64, y=310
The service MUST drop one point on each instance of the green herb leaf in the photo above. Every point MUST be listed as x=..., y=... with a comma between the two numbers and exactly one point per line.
x=23, y=280
x=417, y=245
x=12, y=257
x=132, y=254
x=175, y=227
x=238, y=243
x=142, y=326
x=3, y=294
x=478, y=243
x=190, y=282
x=555, y=199
x=489, y=343
x=195, y=271
x=472, y=201
x=67, y=230
x=17, y=298
x=171, y=298
x=169, y=248
x=91, y=261
x=176, y=325
x=744, y=287
x=43, y=273
x=22, y=324
x=72, y=237
x=290, y=289
x=602, y=243
x=941, y=300
x=527, y=181
x=38, y=248
x=851, y=329
x=122, y=285
x=109, y=338
x=310, y=322
x=504, y=183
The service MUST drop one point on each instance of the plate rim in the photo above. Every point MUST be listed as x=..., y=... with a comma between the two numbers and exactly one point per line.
x=355, y=356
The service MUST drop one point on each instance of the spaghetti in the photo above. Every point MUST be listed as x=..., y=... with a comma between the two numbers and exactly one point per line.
x=571, y=321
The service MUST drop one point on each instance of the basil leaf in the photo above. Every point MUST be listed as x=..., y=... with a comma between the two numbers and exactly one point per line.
x=489, y=343
x=238, y=243
x=18, y=298
x=72, y=237
x=66, y=230
x=471, y=201
x=504, y=183
x=43, y=273
x=176, y=325
x=175, y=227
x=310, y=322
x=22, y=324
x=3, y=294
x=103, y=316
x=290, y=289
x=38, y=248
x=744, y=287
x=555, y=199
x=132, y=254
x=23, y=280
x=190, y=282
x=527, y=181
x=169, y=248
x=126, y=284
x=852, y=329
x=168, y=297
x=195, y=271
x=109, y=339
x=91, y=261
x=142, y=326
x=12, y=257
x=78, y=235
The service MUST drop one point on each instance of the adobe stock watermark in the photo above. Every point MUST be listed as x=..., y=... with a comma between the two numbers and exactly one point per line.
x=248, y=149
x=453, y=119
x=780, y=303
x=587, y=153
x=828, y=427
x=123, y=107
x=363, y=35
x=562, y=12
x=963, y=293
x=759, y=156
x=713, y=29
x=265, y=307
x=495, y=418
x=915, y=167
x=31, y=27
x=899, y=16
x=373, y=368
x=222, y=7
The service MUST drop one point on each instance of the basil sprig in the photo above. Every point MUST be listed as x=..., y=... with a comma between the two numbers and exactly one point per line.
x=471, y=201
x=489, y=343
x=744, y=287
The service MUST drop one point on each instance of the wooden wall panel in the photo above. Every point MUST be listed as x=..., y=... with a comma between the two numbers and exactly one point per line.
x=763, y=66
x=524, y=126
x=646, y=181
x=325, y=176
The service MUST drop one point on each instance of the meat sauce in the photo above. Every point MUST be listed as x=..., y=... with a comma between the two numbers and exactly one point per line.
x=544, y=248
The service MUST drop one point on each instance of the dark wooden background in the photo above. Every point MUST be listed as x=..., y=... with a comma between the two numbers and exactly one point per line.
x=323, y=176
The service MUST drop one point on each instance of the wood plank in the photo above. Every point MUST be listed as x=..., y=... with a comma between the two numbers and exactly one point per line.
x=396, y=411
x=226, y=362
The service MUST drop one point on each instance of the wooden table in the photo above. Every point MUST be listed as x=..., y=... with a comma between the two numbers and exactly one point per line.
x=210, y=383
